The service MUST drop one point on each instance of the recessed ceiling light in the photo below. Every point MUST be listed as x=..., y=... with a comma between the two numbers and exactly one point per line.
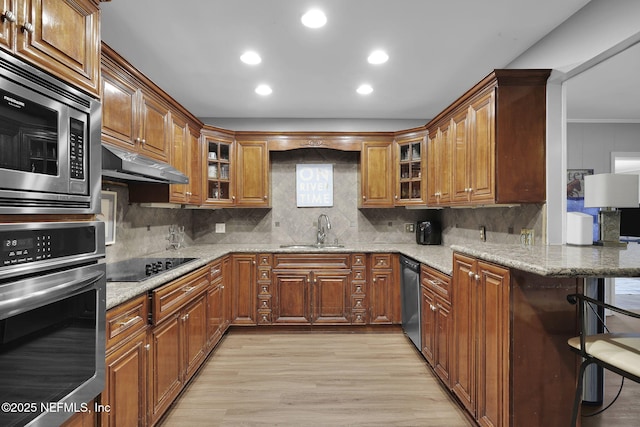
x=250, y=57
x=263, y=90
x=378, y=57
x=314, y=18
x=364, y=89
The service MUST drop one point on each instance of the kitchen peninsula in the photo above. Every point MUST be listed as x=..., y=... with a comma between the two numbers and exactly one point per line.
x=530, y=373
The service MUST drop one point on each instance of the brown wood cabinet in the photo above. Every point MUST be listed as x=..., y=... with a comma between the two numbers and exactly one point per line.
x=311, y=289
x=436, y=321
x=384, y=290
x=125, y=392
x=219, y=168
x=497, y=135
x=217, y=301
x=178, y=337
x=509, y=338
x=439, y=164
x=410, y=168
x=134, y=117
x=253, y=185
x=377, y=174
x=59, y=36
x=243, y=298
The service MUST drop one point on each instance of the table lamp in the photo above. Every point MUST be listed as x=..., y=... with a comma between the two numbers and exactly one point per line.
x=609, y=191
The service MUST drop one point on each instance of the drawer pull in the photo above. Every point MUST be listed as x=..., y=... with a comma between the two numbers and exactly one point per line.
x=189, y=289
x=130, y=322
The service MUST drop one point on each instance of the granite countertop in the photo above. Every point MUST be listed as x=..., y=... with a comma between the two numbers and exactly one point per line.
x=553, y=261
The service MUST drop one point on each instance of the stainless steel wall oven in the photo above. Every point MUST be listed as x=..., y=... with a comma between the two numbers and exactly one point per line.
x=50, y=150
x=52, y=320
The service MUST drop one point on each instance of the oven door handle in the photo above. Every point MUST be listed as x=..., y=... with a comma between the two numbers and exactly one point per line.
x=42, y=292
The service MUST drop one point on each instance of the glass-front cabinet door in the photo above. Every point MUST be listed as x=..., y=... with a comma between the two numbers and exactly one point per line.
x=410, y=169
x=218, y=170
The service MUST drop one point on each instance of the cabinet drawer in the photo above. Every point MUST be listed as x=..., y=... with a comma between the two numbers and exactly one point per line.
x=264, y=274
x=311, y=261
x=215, y=271
x=264, y=317
x=264, y=260
x=359, y=317
x=358, y=260
x=126, y=320
x=357, y=303
x=359, y=273
x=264, y=288
x=380, y=261
x=440, y=283
x=173, y=296
x=358, y=288
x=264, y=302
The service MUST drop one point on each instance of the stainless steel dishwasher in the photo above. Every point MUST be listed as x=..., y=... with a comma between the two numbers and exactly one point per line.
x=410, y=293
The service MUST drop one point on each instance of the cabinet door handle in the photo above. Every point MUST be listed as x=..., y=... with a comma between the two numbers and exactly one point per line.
x=126, y=323
x=147, y=347
x=471, y=274
x=28, y=28
x=477, y=277
x=9, y=16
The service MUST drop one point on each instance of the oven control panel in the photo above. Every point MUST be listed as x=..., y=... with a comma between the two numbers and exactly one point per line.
x=24, y=246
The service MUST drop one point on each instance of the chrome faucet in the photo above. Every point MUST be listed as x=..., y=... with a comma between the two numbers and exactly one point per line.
x=322, y=231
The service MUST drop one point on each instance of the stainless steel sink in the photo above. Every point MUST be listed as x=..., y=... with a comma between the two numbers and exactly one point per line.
x=312, y=246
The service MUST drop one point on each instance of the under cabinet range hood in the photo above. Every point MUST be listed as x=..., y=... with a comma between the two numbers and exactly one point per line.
x=123, y=165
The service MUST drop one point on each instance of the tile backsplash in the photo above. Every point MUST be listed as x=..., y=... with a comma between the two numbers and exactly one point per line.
x=142, y=230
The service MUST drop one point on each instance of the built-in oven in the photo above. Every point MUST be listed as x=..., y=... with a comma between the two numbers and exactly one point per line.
x=50, y=150
x=52, y=321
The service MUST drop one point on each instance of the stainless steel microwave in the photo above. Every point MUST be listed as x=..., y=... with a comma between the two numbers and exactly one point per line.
x=50, y=151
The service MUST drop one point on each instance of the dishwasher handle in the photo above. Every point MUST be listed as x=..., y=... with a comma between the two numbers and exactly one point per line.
x=410, y=263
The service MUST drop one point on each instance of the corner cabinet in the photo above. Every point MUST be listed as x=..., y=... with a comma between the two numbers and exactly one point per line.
x=59, y=36
x=488, y=147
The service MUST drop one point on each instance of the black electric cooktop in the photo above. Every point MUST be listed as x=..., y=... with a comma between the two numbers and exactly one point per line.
x=139, y=269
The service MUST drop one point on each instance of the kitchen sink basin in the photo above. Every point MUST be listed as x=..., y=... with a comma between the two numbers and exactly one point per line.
x=312, y=246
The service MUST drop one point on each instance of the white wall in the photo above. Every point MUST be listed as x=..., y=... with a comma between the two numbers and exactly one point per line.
x=589, y=145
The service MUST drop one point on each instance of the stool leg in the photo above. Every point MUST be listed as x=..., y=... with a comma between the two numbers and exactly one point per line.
x=578, y=397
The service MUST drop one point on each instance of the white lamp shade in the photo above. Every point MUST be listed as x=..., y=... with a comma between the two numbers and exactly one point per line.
x=609, y=190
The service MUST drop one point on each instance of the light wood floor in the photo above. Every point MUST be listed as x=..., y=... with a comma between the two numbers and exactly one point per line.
x=315, y=379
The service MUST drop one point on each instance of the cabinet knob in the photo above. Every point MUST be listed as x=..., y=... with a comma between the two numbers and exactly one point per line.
x=147, y=347
x=8, y=16
x=364, y=197
x=265, y=197
x=477, y=277
x=144, y=141
x=28, y=28
x=471, y=274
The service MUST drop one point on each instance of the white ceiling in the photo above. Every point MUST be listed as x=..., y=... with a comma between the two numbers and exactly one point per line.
x=437, y=50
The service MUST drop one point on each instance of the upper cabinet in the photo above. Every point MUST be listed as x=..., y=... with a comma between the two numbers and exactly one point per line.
x=218, y=168
x=410, y=169
x=133, y=116
x=489, y=146
x=253, y=185
x=59, y=36
x=376, y=173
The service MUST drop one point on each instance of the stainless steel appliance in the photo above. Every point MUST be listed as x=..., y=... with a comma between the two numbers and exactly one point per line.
x=411, y=298
x=52, y=320
x=49, y=143
x=428, y=233
x=138, y=269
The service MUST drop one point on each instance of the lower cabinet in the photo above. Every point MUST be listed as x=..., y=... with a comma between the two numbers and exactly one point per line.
x=384, y=290
x=125, y=392
x=311, y=297
x=243, y=299
x=507, y=325
x=218, y=302
x=178, y=337
x=436, y=321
